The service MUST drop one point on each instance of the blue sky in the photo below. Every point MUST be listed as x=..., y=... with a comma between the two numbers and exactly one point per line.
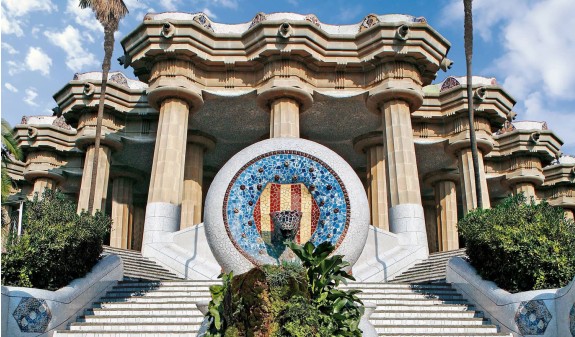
x=527, y=45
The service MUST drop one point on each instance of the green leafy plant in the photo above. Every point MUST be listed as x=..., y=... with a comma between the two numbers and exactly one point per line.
x=288, y=300
x=57, y=245
x=521, y=245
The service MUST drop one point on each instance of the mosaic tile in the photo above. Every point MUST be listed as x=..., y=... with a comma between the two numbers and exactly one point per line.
x=32, y=315
x=284, y=181
x=532, y=317
x=572, y=320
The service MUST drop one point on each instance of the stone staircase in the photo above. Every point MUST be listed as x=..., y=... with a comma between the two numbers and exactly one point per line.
x=137, y=267
x=168, y=309
x=430, y=270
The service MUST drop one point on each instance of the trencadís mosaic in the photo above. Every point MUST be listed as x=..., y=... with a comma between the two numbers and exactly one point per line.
x=284, y=181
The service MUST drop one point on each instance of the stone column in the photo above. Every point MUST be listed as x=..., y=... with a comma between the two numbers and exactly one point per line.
x=430, y=211
x=377, y=193
x=138, y=226
x=174, y=93
x=527, y=188
x=467, y=177
x=103, y=173
x=193, y=176
x=569, y=213
x=398, y=95
x=42, y=183
x=122, y=213
x=446, y=203
x=284, y=103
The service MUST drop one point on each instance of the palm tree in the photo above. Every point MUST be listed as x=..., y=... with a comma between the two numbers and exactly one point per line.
x=108, y=13
x=468, y=37
x=10, y=149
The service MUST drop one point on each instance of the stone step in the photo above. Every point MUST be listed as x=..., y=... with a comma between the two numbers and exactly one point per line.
x=102, y=333
x=173, y=283
x=156, y=293
x=429, y=314
x=156, y=299
x=129, y=312
x=441, y=334
x=436, y=329
x=190, y=305
x=119, y=327
x=105, y=319
x=424, y=308
x=417, y=321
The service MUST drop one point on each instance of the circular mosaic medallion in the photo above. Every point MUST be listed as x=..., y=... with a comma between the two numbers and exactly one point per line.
x=275, y=190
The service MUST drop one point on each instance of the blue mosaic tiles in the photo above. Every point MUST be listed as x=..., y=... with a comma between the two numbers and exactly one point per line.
x=32, y=315
x=283, y=167
x=532, y=317
x=572, y=320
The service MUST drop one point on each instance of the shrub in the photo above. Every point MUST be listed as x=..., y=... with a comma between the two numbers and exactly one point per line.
x=57, y=245
x=289, y=300
x=521, y=246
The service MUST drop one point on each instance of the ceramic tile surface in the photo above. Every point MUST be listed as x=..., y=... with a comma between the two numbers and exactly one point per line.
x=572, y=320
x=32, y=315
x=532, y=317
x=283, y=181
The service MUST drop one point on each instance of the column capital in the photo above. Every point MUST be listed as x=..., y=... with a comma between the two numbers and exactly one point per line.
x=284, y=89
x=456, y=145
x=363, y=142
x=402, y=90
x=127, y=172
x=443, y=175
x=192, y=96
x=208, y=142
x=30, y=176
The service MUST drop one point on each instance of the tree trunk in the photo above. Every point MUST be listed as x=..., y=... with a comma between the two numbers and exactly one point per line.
x=108, y=50
x=468, y=37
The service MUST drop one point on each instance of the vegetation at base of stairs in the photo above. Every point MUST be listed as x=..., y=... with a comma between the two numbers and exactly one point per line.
x=57, y=244
x=293, y=299
x=521, y=245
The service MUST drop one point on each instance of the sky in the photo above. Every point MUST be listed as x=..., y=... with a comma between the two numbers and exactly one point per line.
x=527, y=45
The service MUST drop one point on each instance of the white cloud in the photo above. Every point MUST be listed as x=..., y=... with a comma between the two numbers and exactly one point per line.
x=225, y=3
x=534, y=49
x=9, y=49
x=209, y=13
x=10, y=87
x=14, y=13
x=84, y=17
x=31, y=95
x=70, y=40
x=37, y=60
x=17, y=8
x=15, y=67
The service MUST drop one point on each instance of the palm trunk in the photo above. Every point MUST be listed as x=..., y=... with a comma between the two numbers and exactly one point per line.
x=108, y=50
x=468, y=37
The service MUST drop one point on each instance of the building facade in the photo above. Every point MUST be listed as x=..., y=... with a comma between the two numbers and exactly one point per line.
x=206, y=90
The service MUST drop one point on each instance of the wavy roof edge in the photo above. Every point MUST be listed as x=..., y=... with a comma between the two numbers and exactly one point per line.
x=113, y=76
x=239, y=28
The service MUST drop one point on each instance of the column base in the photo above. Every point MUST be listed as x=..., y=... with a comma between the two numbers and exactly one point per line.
x=409, y=221
x=162, y=218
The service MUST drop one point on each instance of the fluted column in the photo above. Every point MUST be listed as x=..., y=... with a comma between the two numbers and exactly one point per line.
x=166, y=182
x=527, y=188
x=569, y=213
x=122, y=213
x=284, y=103
x=193, y=177
x=174, y=92
x=103, y=172
x=395, y=99
x=467, y=177
x=138, y=226
x=446, y=203
x=42, y=183
x=376, y=185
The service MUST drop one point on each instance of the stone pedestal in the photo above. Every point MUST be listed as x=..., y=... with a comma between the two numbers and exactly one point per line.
x=446, y=203
x=122, y=213
x=467, y=177
x=193, y=176
x=102, y=176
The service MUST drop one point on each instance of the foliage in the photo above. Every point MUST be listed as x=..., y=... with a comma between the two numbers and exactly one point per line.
x=521, y=246
x=10, y=149
x=57, y=245
x=288, y=300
